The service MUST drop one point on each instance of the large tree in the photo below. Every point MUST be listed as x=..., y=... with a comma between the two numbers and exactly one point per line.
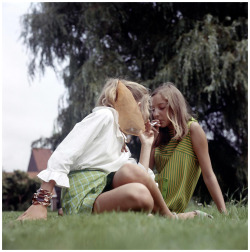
x=204, y=52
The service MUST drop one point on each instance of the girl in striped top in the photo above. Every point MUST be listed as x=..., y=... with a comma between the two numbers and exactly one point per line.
x=180, y=151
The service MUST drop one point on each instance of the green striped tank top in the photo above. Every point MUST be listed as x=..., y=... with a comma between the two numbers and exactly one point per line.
x=179, y=171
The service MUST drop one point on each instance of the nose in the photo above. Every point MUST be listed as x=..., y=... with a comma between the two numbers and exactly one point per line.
x=155, y=114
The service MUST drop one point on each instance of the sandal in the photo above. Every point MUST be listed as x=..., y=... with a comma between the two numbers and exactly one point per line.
x=203, y=214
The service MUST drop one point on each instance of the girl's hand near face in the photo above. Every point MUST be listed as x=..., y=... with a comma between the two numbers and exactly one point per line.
x=147, y=137
x=155, y=125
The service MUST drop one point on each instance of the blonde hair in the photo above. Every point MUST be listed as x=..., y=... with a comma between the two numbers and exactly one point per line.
x=139, y=92
x=178, y=111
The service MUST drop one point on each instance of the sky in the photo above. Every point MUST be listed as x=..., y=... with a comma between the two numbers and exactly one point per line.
x=29, y=108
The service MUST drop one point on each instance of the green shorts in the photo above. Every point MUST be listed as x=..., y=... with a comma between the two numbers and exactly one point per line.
x=85, y=187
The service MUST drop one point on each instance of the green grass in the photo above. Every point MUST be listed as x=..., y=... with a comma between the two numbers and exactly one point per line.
x=128, y=231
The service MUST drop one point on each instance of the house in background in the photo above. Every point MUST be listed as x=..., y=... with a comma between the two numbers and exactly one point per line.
x=38, y=162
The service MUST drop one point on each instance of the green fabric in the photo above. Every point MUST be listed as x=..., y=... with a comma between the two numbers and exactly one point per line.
x=163, y=182
x=85, y=187
x=179, y=172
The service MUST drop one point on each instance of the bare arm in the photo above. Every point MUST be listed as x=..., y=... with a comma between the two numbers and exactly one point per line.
x=152, y=159
x=146, y=139
x=200, y=146
x=38, y=211
x=155, y=129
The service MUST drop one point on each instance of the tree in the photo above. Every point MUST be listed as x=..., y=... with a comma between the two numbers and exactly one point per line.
x=203, y=52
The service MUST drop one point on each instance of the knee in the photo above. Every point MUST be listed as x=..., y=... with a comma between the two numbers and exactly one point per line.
x=133, y=173
x=142, y=197
x=128, y=168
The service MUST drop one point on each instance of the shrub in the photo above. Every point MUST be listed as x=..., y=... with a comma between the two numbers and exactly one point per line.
x=17, y=190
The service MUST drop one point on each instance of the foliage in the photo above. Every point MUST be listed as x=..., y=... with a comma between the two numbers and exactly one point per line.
x=203, y=52
x=126, y=231
x=17, y=190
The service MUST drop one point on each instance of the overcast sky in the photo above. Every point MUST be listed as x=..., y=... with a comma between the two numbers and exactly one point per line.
x=28, y=108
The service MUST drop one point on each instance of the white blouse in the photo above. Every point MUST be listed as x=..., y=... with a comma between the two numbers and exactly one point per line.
x=94, y=143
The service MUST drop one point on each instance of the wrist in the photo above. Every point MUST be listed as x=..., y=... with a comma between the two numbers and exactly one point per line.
x=223, y=210
x=146, y=145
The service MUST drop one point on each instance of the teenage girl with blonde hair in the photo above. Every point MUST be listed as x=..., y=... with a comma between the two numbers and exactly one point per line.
x=180, y=151
x=93, y=165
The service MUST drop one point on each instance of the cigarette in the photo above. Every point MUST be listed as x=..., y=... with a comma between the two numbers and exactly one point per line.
x=153, y=123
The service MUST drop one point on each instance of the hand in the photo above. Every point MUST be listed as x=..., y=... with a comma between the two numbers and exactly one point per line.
x=224, y=211
x=155, y=128
x=34, y=212
x=147, y=137
x=124, y=148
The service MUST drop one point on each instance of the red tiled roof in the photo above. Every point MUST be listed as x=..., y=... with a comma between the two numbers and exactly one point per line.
x=41, y=157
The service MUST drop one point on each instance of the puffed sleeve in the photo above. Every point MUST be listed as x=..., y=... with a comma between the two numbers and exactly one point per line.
x=73, y=146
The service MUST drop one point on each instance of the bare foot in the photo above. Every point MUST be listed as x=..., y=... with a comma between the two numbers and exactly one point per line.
x=34, y=212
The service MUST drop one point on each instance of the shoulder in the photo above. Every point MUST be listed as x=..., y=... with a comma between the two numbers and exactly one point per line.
x=102, y=110
x=196, y=131
x=105, y=114
x=99, y=116
x=194, y=126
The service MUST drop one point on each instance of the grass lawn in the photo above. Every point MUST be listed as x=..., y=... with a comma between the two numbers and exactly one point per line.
x=128, y=231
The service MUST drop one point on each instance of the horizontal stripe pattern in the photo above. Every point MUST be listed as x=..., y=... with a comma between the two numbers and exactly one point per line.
x=179, y=172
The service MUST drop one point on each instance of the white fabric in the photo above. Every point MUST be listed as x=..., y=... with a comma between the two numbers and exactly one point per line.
x=94, y=143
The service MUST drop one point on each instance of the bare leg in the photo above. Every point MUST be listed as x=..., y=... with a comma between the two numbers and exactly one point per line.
x=133, y=196
x=131, y=173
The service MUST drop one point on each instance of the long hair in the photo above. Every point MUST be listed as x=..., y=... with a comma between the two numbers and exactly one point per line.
x=178, y=113
x=140, y=93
